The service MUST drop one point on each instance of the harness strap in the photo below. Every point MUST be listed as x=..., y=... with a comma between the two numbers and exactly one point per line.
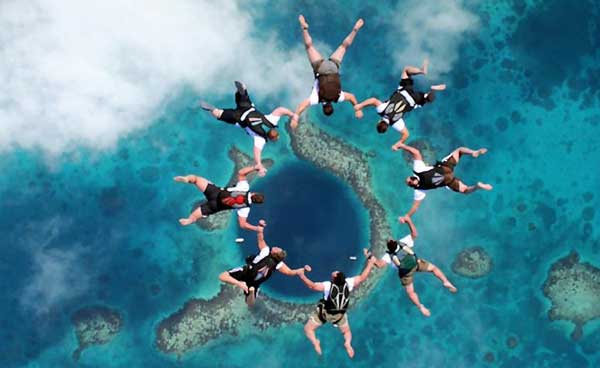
x=408, y=97
x=245, y=114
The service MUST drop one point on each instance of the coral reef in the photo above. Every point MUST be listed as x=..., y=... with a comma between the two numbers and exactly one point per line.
x=200, y=321
x=95, y=325
x=574, y=289
x=472, y=262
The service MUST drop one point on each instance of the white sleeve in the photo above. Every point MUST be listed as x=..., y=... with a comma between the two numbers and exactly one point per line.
x=419, y=166
x=419, y=195
x=326, y=287
x=259, y=142
x=244, y=212
x=314, y=94
x=279, y=265
x=241, y=186
x=262, y=254
x=274, y=119
x=400, y=126
x=342, y=97
x=387, y=259
x=350, y=282
x=408, y=240
x=381, y=107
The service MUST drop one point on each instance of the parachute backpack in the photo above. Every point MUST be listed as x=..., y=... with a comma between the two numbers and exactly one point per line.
x=257, y=121
x=330, y=87
x=262, y=270
x=336, y=303
x=396, y=108
x=407, y=260
x=236, y=199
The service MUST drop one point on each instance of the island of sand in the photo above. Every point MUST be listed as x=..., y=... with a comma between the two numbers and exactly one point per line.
x=200, y=321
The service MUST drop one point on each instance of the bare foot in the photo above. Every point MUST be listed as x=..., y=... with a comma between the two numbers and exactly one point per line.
x=481, y=151
x=425, y=65
x=251, y=298
x=359, y=23
x=424, y=310
x=302, y=21
x=181, y=179
x=484, y=186
x=349, y=350
x=317, y=346
x=450, y=287
x=185, y=221
x=242, y=285
x=206, y=106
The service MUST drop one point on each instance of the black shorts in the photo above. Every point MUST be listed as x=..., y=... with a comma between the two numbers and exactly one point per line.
x=243, y=274
x=450, y=162
x=451, y=181
x=407, y=83
x=211, y=206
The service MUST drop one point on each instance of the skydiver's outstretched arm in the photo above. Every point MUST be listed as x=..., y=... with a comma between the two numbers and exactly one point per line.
x=352, y=99
x=243, y=172
x=316, y=286
x=257, y=150
x=282, y=111
x=365, y=273
x=412, y=210
x=260, y=235
x=284, y=269
x=416, y=154
x=368, y=102
x=411, y=225
x=244, y=224
x=403, y=137
x=299, y=110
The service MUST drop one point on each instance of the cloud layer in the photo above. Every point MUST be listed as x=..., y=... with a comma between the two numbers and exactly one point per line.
x=57, y=273
x=433, y=29
x=88, y=72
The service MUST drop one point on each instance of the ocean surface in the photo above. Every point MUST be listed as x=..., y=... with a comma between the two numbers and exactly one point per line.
x=100, y=227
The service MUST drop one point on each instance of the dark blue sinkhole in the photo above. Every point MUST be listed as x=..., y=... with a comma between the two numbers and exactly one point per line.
x=317, y=218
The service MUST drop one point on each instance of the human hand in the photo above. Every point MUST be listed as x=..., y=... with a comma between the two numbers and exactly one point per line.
x=294, y=121
x=262, y=223
x=359, y=114
x=403, y=219
x=307, y=268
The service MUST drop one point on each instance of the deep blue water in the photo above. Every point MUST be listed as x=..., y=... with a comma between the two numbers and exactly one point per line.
x=101, y=227
x=317, y=219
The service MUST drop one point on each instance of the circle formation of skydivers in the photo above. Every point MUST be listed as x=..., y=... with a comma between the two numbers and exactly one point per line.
x=327, y=89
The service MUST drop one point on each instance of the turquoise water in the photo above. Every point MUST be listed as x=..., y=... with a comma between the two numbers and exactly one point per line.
x=101, y=227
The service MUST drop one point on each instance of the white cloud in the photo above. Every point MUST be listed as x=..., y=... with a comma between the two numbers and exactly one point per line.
x=56, y=278
x=57, y=274
x=433, y=29
x=87, y=72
